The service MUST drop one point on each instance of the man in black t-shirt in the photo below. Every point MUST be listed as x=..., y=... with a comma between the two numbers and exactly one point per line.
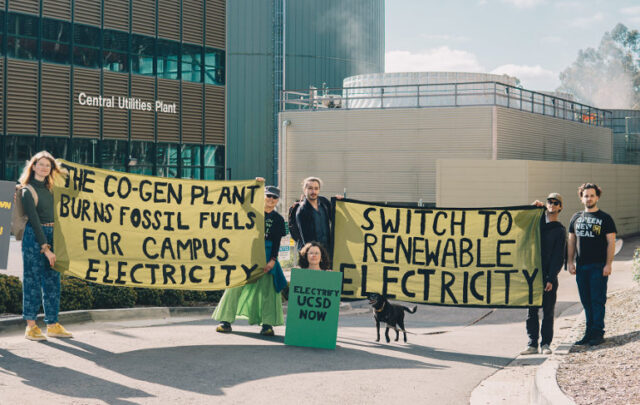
x=592, y=236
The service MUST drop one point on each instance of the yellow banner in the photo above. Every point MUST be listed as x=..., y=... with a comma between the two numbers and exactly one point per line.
x=125, y=229
x=468, y=257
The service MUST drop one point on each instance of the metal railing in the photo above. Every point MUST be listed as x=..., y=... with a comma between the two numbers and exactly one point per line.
x=443, y=95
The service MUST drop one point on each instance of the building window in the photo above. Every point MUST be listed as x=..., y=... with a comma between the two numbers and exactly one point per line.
x=113, y=154
x=191, y=161
x=22, y=41
x=55, y=41
x=142, y=51
x=168, y=59
x=55, y=145
x=86, y=52
x=115, y=51
x=214, y=162
x=19, y=149
x=142, y=153
x=84, y=151
x=167, y=159
x=214, y=66
x=192, y=63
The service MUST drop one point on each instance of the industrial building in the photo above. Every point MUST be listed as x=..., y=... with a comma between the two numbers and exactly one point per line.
x=136, y=85
x=452, y=140
x=279, y=44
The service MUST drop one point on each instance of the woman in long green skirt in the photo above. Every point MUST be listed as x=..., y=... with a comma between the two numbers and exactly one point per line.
x=260, y=302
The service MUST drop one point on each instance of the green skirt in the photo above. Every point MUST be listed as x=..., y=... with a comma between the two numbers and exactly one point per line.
x=257, y=302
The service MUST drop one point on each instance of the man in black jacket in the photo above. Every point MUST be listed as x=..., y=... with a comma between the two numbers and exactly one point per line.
x=313, y=217
x=552, y=246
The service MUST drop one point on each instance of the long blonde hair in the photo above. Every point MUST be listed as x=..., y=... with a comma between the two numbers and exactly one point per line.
x=28, y=172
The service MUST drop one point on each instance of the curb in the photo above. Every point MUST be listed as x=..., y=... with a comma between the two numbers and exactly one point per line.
x=545, y=390
x=15, y=324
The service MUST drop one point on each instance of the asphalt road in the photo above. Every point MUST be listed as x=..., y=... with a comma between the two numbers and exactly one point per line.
x=449, y=352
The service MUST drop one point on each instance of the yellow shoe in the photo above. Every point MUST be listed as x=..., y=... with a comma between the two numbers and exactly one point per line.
x=57, y=330
x=34, y=333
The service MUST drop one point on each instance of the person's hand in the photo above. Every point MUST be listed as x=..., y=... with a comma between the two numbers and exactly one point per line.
x=260, y=179
x=572, y=268
x=269, y=266
x=606, y=271
x=538, y=203
x=339, y=197
x=51, y=257
x=548, y=287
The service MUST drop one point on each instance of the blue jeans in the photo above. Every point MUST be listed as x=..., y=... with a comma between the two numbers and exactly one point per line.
x=592, y=287
x=40, y=283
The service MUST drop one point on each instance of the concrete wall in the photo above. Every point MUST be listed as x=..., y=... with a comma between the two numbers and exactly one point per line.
x=487, y=183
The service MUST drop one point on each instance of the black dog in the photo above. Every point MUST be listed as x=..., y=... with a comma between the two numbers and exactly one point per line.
x=391, y=314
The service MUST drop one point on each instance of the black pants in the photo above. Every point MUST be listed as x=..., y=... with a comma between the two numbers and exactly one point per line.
x=533, y=324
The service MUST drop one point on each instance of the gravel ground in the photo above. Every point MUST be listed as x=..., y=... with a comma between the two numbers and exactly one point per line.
x=609, y=373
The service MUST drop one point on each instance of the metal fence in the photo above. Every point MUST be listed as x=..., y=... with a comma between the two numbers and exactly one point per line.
x=443, y=95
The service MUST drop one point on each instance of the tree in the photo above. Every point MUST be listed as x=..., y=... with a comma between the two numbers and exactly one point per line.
x=607, y=77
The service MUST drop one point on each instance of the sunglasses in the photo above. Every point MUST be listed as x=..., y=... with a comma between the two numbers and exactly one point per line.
x=272, y=196
x=553, y=202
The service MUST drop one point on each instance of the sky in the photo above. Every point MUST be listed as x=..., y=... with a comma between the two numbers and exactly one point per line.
x=533, y=40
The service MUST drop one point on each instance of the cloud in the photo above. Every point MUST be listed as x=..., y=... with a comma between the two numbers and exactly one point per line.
x=633, y=11
x=524, y=3
x=444, y=37
x=584, y=22
x=436, y=59
x=532, y=77
x=551, y=39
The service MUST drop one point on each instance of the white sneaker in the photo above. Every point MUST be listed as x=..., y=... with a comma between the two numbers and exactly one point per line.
x=545, y=349
x=530, y=350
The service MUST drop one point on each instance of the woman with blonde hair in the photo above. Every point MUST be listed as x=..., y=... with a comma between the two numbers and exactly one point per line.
x=40, y=283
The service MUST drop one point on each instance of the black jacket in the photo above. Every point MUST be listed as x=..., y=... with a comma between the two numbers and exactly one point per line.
x=306, y=225
x=552, y=246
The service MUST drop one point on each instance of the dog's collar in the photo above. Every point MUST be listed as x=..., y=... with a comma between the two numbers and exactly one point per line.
x=380, y=310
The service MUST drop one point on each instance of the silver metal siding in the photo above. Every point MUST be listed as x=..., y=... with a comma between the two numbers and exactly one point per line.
x=115, y=121
x=144, y=17
x=382, y=155
x=527, y=136
x=142, y=122
x=86, y=119
x=192, y=13
x=54, y=103
x=169, y=19
x=116, y=15
x=87, y=12
x=60, y=9
x=22, y=97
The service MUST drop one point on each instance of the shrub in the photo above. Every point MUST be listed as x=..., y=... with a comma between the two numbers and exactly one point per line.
x=214, y=296
x=75, y=294
x=195, y=296
x=172, y=298
x=148, y=296
x=10, y=294
x=112, y=297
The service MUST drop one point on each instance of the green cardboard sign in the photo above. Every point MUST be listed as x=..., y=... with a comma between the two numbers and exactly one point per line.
x=314, y=305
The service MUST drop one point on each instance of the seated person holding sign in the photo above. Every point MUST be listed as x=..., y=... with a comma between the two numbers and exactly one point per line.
x=314, y=256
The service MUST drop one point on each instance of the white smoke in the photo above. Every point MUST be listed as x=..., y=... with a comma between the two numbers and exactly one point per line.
x=602, y=77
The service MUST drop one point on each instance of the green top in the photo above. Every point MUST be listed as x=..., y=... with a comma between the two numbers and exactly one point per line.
x=40, y=214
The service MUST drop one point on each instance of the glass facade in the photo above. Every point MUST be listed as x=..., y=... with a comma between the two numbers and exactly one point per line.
x=35, y=38
x=111, y=50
